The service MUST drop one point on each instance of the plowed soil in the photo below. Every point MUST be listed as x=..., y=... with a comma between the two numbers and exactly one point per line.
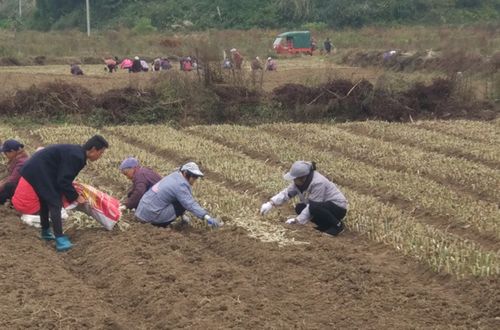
x=152, y=278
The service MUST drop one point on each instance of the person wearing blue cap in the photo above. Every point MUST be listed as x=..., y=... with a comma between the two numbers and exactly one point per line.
x=51, y=172
x=171, y=197
x=16, y=156
x=320, y=199
x=142, y=178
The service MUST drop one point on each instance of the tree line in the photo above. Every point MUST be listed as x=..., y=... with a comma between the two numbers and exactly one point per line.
x=223, y=14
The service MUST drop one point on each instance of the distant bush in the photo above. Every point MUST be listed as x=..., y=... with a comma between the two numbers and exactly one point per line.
x=143, y=25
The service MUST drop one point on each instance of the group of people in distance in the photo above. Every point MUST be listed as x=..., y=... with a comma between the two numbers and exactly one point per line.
x=235, y=61
x=41, y=183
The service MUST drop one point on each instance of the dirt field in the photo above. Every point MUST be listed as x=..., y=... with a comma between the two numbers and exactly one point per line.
x=146, y=277
x=157, y=278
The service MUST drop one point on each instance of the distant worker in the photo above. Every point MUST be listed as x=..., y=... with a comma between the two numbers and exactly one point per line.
x=136, y=65
x=144, y=66
x=16, y=157
x=171, y=197
x=237, y=58
x=165, y=64
x=255, y=64
x=271, y=64
x=76, y=70
x=142, y=178
x=156, y=65
x=50, y=172
x=314, y=44
x=111, y=64
x=320, y=199
x=328, y=46
x=126, y=64
x=186, y=64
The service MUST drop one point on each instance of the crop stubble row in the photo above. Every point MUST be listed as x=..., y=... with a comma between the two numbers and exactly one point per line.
x=381, y=221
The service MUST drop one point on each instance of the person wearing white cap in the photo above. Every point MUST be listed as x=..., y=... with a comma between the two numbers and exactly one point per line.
x=271, y=64
x=237, y=58
x=320, y=199
x=136, y=65
x=171, y=197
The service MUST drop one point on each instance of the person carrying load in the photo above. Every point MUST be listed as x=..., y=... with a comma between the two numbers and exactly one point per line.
x=50, y=173
x=320, y=199
x=172, y=197
x=142, y=178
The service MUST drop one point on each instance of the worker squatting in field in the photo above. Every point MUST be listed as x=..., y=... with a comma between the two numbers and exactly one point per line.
x=320, y=199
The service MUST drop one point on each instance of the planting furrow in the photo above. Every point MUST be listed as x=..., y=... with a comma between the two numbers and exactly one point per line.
x=421, y=138
x=379, y=221
x=459, y=174
x=466, y=129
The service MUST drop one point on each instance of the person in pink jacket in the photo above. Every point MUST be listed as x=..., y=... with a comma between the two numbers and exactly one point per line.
x=16, y=156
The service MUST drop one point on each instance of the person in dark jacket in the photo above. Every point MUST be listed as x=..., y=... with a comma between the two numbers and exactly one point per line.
x=51, y=172
x=76, y=70
x=328, y=46
x=142, y=179
x=136, y=65
x=14, y=151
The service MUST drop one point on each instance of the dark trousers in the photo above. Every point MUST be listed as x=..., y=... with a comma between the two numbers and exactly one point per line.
x=324, y=214
x=7, y=192
x=179, y=211
x=54, y=211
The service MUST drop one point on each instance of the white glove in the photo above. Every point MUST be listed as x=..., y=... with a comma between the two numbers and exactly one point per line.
x=122, y=207
x=266, y=208
x=186, y=218
x=291, y=221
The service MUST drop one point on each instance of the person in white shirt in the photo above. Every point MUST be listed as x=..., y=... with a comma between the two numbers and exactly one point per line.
x=320, y=200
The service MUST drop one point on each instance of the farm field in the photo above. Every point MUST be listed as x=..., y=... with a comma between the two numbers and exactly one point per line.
x=422, y=248
x=297, y=70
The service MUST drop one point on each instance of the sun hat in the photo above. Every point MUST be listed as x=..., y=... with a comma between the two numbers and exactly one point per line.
x=299, y=168
x=11, y=145
x=233, y=49
x=136, y=58
x=129, y=162
x=192, y=168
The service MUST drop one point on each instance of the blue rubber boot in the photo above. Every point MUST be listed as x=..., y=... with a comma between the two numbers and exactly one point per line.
x=63, y=244
x=47, y=235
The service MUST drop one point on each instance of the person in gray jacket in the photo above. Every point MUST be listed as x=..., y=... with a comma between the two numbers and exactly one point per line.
x=171, y=197
x=320, y=199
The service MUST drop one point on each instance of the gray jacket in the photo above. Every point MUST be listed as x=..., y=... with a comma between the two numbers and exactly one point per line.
x=156, y=206
x=320, y=190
